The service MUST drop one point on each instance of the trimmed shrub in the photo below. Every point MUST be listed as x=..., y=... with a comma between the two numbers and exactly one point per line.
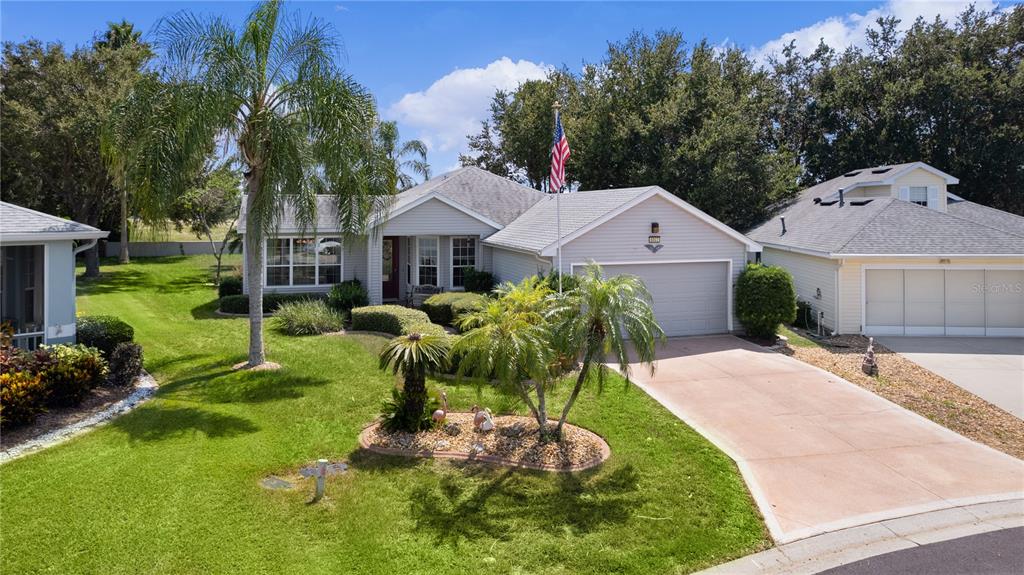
x=393, y=319
x=230, y=285
x=309, y=317
x=347, y=295
x=103, y=332
x=22, y=397
x=75, y=371
x=569, y=281
x=271, y=301
x=478, y=281
x=125, y=364
x=765, y=298
x=445, y=308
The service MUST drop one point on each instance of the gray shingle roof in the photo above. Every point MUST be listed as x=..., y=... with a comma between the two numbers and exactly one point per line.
x=16, y=221
x=537, y=227
x=888, y=225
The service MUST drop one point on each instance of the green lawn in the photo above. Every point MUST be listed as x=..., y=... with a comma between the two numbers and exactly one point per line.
x=173, y=486
x=796, y=339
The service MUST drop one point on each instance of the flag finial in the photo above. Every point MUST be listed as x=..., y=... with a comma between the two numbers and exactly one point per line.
x=556, y=106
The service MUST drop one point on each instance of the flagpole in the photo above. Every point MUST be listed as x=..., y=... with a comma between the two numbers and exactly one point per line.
x=558, y=216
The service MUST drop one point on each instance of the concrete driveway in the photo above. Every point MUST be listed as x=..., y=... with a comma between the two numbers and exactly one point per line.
x=990, y=367
x=818, y=452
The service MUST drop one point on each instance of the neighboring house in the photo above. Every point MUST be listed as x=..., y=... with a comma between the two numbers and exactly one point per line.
x=470, y=218
x=37, y=274
x=890, y=251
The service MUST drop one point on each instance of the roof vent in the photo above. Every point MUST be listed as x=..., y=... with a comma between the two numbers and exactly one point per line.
x=842, y=202
x=860, y=202
x=880, y=170
x=783, y=220
x=851, y=174
x=817, y=200
x=830, y=203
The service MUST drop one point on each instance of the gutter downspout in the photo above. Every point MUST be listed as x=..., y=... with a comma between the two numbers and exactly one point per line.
x=88, y=245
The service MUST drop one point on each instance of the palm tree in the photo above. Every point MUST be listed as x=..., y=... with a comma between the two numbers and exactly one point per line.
x=413, y=355
x=387, y=139
x=508, y=340
x=594, y=319
x=271, y=92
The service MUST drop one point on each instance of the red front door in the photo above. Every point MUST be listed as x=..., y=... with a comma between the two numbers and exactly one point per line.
x=389, y=265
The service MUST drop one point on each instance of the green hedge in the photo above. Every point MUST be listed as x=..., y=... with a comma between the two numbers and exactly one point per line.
x=393, y=319
x=307, y=318
x=347, y=295
x=271, y=301
x=765, y=298
x=230, y=285
x=445, y=308
x=104, y=332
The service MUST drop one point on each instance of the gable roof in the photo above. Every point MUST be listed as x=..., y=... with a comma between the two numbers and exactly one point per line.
x=889, y=226
x=537, y=229
x=22, y=224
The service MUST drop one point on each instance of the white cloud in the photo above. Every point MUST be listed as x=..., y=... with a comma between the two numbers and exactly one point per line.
x=840, y=32
x=453, y=106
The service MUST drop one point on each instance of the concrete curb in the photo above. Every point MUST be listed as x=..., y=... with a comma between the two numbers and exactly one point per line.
x=821, y=552
x=145, y=387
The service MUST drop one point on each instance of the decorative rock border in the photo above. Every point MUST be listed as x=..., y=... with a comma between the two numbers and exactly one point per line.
x=364, y=442
x=145, y=387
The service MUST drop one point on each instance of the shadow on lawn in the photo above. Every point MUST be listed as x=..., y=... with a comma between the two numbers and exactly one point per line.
x=483, y=501
x=112, y=280
x=156, y=423
x=226, y=385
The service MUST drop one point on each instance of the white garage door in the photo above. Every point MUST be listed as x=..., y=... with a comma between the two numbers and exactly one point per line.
x=689, y=298
x=944, y=302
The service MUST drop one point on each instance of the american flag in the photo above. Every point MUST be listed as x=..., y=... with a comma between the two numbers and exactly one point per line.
x=559, y=156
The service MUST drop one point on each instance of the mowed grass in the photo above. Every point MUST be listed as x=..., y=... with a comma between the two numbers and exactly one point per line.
x=173, y=487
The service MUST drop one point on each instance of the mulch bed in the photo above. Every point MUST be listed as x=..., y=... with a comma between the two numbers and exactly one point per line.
x=911, y=386
x=513, y=442
x=98, y=399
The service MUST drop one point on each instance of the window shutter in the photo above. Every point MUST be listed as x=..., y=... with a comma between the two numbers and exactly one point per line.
x=905, y=193
x=933, y=197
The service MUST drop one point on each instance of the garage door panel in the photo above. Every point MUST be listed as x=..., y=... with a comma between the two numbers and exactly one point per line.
x=689, y=298
x=965, y=302
x=884, y=302
x=924, y=302
x=1004, y=306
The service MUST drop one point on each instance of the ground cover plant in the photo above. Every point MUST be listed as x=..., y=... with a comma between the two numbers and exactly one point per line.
x=173, y=487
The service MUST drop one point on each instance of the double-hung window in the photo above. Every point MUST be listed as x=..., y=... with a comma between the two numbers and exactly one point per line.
x=303, y=262
x=463, y=258
x=919, y=195
x=426, y=261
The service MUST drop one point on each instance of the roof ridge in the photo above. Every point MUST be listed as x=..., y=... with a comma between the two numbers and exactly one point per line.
x=860, y=230
x=977, y=223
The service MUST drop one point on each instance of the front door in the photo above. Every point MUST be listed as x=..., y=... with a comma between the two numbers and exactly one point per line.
x=389, y=271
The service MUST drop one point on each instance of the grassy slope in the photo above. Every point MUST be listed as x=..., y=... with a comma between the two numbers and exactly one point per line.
x=173, y=487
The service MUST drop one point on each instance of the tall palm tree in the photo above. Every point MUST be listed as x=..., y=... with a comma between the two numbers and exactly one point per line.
x=388, y=139
x=595, y=318
x=271, y=92
x=413, y=355
x=509, y=340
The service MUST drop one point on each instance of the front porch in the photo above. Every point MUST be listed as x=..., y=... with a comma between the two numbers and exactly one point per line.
x=23, y=294
x=405, y=269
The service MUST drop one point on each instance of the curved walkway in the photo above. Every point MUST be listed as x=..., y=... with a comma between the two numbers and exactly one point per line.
x=820, y=453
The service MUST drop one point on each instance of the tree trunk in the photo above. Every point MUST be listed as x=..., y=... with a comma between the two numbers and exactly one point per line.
x=124, y=227
x=414, y=394
x=254, y=275
x=584, y=370
x=542, y=409
x=92, y=261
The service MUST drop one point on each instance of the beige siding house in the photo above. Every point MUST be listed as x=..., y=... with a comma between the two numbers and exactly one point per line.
x=470, y=218
x=891, y=250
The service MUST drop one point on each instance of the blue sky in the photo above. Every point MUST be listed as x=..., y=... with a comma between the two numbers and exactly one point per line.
x=433, y=65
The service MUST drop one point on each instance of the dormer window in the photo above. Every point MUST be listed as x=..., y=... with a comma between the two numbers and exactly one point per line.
x=919, y=195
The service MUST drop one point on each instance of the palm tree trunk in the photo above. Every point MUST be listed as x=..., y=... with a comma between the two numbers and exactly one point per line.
x=414, y=391
x=584, y=370
x=254, y=278
x=542, y=409
x=124, y=227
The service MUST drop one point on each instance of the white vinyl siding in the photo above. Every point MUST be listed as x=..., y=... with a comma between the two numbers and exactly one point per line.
x=513, y=266
x=435, y=218
x=932, y=188
x=811, y=275
x=684, y=237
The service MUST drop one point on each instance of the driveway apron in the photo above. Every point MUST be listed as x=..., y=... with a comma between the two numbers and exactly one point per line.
x=817, y=452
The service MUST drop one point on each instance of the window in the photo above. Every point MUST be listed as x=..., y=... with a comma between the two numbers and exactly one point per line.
x=463, y=258
x=426, y=261
x=919, y=195
x=303, y=262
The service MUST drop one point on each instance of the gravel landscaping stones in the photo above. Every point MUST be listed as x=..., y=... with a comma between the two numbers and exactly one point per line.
x=911, y=386
x=513, y=442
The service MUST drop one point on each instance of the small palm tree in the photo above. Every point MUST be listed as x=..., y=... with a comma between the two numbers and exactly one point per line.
x=388, y=140
x=271, y=91
x=413, y=355
x=594, y=319
x=508, y=340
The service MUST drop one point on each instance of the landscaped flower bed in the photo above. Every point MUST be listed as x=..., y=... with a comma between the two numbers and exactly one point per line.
x=514, y=442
